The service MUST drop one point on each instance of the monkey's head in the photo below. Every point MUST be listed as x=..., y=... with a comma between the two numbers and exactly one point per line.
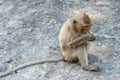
x=82, y=23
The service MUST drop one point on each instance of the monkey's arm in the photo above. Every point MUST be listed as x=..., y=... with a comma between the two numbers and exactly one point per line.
x=30, y=64
x=79, y=40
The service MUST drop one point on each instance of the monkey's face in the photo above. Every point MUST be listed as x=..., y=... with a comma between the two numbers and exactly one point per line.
x=82, y=23
x=83, y=28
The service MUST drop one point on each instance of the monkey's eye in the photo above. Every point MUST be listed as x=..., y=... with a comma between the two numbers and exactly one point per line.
x=74, y=21
x=85, y=26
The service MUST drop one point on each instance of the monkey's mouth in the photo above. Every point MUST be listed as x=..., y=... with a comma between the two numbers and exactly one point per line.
x=84, y=32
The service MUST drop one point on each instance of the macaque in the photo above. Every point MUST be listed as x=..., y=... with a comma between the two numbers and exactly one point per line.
x=73, y=40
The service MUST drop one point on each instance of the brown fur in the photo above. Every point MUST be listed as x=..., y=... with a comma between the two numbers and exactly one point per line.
x=73, y=42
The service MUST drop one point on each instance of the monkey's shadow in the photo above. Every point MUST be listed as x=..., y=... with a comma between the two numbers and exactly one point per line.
x=104, y=67
x=92, y=58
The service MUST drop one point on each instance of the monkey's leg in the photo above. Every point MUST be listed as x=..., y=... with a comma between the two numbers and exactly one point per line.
x=83, y=57
x=70, y=57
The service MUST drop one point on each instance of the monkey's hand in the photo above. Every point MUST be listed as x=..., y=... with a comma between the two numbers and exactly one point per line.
x=92, y=37
x=80, y=40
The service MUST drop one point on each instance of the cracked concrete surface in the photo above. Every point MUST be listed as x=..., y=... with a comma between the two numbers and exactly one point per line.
x=29, y=31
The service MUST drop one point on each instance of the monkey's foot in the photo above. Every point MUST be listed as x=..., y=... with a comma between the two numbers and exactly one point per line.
x=91, y=68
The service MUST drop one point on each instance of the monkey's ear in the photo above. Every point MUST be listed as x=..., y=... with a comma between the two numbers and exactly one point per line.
x=74, y=21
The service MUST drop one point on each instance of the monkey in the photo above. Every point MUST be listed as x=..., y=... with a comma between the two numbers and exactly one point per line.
x=74, y=37
x=73, y=40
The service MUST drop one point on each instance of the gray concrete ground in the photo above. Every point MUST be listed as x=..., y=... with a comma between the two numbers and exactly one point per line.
x=29, y=31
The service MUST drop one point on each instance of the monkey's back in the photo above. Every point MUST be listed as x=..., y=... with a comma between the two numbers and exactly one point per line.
x=64, y=34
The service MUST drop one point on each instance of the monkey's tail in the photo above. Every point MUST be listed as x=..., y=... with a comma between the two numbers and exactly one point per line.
x=30, y=64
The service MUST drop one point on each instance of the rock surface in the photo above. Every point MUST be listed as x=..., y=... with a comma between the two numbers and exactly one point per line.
x=29, y=31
